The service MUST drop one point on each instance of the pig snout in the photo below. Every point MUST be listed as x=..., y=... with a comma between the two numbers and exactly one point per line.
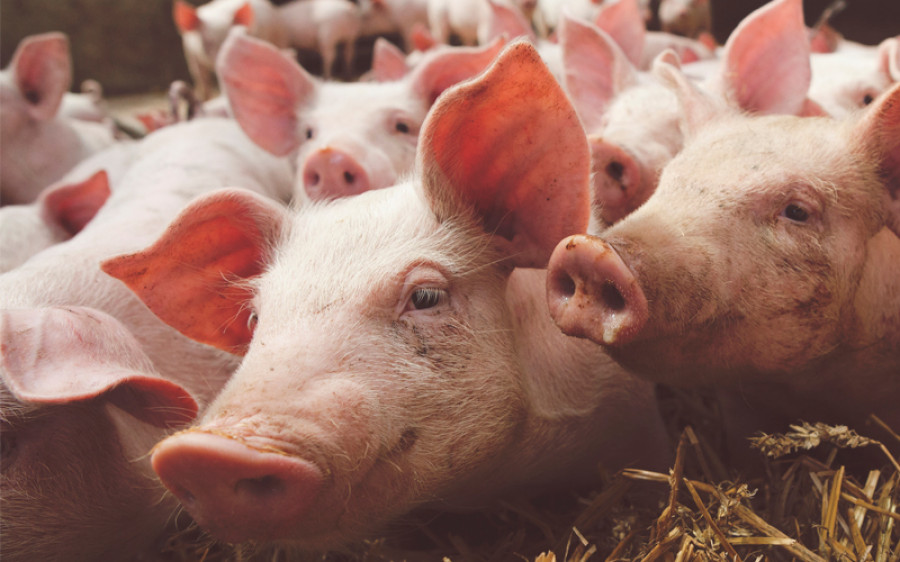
x=329, y=173
x=232, y=490
x=593, y=294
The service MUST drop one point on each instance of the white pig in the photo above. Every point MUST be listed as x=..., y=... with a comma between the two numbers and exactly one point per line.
x=395, y=352
x=64, y=208
x=851, y=78
x=767, y=263
x=468, y=20
x=172, y=166
x=38, y=146
x=345, y=138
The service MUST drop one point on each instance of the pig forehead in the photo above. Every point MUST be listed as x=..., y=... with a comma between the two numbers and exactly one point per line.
x=350, y=248
x=356, y=101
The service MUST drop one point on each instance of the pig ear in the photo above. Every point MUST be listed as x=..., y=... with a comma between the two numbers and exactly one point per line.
x=625, y=24
x=879, y=130
x=507, y=20
x=185, y=16
x=72, y=206
x=449, y=67
x=697, y=107
x=43, y=70
x=65, y=355
x=193, y=277
x=265, y=90
x=596, y=69
x=388, y=61
x=244, y=15
x=508, y=147
x=421, y=37
x=766, y=66
x=889, y=59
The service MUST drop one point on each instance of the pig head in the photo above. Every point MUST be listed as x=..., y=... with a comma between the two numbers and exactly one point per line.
x=395, y=353
x=80, y=408
x=767, y=262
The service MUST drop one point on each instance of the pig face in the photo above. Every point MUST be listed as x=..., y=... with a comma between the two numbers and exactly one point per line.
x=762, y=251
x=387, y=362
x=80, y=408
x=348, y=138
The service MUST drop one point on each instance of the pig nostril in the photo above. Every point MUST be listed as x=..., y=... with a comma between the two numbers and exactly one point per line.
x=349, y=178
x=612, y=298
x=314, y=179
x=565, y=286
x=264, y=486
x=616, y=171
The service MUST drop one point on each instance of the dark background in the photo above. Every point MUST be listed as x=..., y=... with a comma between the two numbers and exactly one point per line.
x=131, y=46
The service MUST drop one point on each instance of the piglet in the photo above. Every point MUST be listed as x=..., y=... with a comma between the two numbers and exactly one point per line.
x=346, y=138
x=80, y=406
x=64, y=208
x=767, y=263
x=396, y=353
x=43, y=304
x=38, y=145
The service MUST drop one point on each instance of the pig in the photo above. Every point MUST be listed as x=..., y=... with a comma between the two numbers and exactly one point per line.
x=766, y=264
x=467, y=20
x=204, y=29
x=345, y=138
x=849, y=79
x=549, y=13
x=78, y=418
x=632, y=119
x=173, y=165
x=63, y=209
x=382, y=17
x=38, y=145
x=323, y=26
x=689, y=18
x=396, y=352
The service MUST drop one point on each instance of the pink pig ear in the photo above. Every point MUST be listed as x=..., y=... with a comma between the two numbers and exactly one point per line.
x=596, y=69
x=388, y=61
x=507, y=21
x=192, y=277
x=65, y=355
x=509, y=147
x=879, y=130
x=43, y=69
x=265, y=90
x=889, y=59
x=766, y=65
x=624, y=22
x=185, y=16
x=72, y=206
x=244, y=15
x=697, y=107
x=449, y=67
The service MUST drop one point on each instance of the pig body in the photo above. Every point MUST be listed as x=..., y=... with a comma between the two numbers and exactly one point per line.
x=39, y=145
x=346, y=138
x=62, y=209
x=765, y=264
x=468, y=20
x=402, y=359
x=61, y=283
x=323, y=26
x=381, y=17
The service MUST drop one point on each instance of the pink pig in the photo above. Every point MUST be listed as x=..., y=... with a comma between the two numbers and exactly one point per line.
x=64, y=208
x=767, y=263
x=852, y=77
x=395, y=352
x=38, y=146
x=346, y=137
x=60, y=298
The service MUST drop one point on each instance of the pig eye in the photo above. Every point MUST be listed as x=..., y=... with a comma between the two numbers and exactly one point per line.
x=402, y=127
x=428, y=297
x=795, y=213
x=309, y=133
x=252, y=319
x=867, y=99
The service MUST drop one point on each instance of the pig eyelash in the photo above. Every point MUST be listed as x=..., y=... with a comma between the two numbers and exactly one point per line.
x=428, y=297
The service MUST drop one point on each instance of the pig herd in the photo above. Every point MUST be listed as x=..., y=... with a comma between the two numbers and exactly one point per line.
x=319, y=305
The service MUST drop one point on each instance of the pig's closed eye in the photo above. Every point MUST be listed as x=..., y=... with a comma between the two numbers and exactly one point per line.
x=428, y=297
x=795, y=212
x=252, y=319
